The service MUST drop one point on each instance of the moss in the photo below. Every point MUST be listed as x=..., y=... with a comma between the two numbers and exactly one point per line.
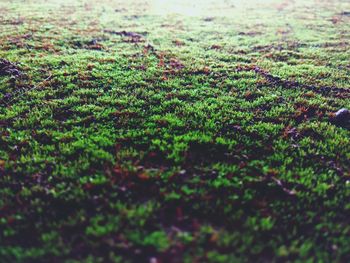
x=130, y=136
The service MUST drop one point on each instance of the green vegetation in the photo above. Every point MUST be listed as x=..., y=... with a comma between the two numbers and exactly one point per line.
x=127, y=135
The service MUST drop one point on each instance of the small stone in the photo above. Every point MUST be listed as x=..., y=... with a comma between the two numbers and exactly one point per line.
x=182, y=172
x=342, y=117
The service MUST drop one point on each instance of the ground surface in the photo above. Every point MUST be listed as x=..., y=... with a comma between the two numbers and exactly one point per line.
x=132, y=134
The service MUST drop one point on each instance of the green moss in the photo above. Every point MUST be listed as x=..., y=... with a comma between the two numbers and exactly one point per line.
x=134, y=137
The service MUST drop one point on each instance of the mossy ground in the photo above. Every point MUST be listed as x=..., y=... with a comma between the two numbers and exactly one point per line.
x=132, y=135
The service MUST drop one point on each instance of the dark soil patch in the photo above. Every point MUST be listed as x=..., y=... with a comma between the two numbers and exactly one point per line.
x=8, y=68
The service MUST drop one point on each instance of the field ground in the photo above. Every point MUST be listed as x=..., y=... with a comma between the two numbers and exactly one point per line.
x=129, y=133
